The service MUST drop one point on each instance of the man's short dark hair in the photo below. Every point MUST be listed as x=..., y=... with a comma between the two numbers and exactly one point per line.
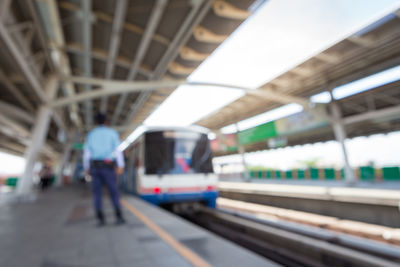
x=100, y=118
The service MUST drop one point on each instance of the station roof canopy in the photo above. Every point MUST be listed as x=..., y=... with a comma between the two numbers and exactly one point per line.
x=140, y=40
x=151, y=41
x=367, y=52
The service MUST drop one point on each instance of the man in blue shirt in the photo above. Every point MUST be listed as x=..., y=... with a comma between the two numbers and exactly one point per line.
x=100, y=156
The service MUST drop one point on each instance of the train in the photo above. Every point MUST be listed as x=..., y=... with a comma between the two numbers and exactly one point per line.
x=171, y=166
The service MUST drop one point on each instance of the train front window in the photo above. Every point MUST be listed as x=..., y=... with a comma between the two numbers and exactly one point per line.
x=170, y=152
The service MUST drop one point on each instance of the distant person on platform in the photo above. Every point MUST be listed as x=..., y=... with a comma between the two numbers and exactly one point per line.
x=103, y=161
x=46, y=175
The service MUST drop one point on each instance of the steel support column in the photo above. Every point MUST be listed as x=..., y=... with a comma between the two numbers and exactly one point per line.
x=87, y=49
x=37, y=140
x=115, y=40
x=340, y=135
x=4, y=9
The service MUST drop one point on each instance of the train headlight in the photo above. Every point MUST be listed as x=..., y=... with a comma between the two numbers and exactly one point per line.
x=157, y=190
x=209, y=188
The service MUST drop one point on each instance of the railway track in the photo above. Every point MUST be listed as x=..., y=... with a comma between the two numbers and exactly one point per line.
x=292, y=245
x=379, y=233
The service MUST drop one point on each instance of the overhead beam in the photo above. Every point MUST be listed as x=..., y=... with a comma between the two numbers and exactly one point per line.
x=280, y=82
x=226, y=10
x=117, y=87
x=130, y=27
x=16, y=92
x=355, y=106
x=363, y=41
x=280, y=98
x=328, y=58
x=373, y=115
x=119, y=18
x=190, y=54
x=12, y=148
x=303, y=71
x=102, y=55
x=387, y=98
x=397, y=13
x=16, y=128
x=179, y=69
x=204, y=35
x=21, y=134
x=16, y=112
x=111, y=88
x=151, y=27
x=15, y=52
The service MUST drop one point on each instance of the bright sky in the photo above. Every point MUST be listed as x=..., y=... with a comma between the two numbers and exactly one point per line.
x=11, y=164
x=361, y=85
x=280, y=35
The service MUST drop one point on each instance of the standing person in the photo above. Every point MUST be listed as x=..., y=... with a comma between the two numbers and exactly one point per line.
x=104, y=161
x=46, y=175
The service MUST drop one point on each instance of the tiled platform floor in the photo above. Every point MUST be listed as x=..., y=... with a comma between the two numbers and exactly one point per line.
x=59, y=230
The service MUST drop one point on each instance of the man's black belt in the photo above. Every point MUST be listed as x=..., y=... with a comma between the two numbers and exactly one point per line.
x=102, y=164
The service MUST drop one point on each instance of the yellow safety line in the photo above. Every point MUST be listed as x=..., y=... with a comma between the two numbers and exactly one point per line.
x=188, y=254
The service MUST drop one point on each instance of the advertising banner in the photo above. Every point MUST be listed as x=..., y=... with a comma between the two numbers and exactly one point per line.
x=302, y=121
x=224, y=142
x=258, y=133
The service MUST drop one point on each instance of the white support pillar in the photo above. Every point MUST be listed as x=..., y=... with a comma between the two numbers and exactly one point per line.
x=38, y=137
x=340, y=135
x=241, y=151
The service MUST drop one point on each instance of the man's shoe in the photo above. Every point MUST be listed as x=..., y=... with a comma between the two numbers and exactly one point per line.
x=100, y=218
x=100, y=224
x=120, y=221
x=119, y=218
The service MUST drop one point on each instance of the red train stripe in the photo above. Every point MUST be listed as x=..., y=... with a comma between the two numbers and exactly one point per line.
x=179, y=189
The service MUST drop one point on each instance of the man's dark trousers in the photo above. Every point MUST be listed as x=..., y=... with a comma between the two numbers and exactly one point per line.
x=104, y=175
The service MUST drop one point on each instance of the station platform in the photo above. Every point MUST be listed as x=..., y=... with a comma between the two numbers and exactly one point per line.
x=59, y=229
x=360, y=202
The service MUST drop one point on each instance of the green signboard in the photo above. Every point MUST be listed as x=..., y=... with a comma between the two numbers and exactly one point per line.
x=259, y=133
x=275, y=131
x=77, y=146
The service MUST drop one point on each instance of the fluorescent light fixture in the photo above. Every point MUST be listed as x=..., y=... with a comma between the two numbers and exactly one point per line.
x=256, y=5
x=375, y=25
x=367, y=83
x=271, y=115
x=229, y=129
x=265, y=117
x=323, y=97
